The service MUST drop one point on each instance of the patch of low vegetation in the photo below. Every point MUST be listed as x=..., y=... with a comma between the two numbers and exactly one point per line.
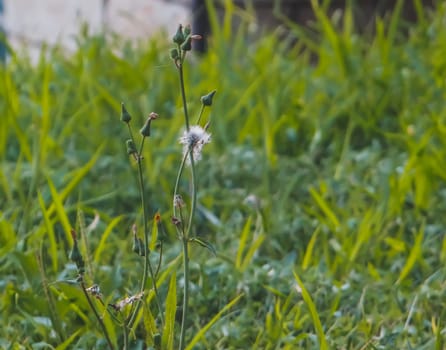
x=322, y=191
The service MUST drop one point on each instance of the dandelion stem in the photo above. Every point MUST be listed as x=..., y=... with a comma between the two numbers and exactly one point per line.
x=186, y=233
x=194, y=193
x=183, y=94
x=185, y=291
x=185, y=241
x=177, y=182
x=201, y=113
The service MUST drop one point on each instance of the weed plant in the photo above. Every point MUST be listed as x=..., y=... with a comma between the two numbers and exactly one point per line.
x=322, y=190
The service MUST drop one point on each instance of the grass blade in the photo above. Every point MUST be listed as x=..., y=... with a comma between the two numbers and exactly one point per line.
x=78, y=176
x=242, y=243
x=66, y=344
x=203, y=330
x=60, y=210
x=309, y=251
x=324, y=206
x=413, y=255
x=313, y=312
x=50, y=231
x=171, y=308
x=101, y=245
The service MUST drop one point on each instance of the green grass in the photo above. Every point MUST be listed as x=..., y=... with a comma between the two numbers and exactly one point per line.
x=345, y=248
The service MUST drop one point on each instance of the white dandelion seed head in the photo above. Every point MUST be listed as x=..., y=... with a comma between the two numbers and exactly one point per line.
x=194, y=140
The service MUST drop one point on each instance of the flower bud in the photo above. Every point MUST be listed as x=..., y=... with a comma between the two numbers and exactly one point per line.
x=187, y=30
x=153, y=116
x=206, y=100
x=160, y=228
x=174, y=54
x=178, y=38
x=145, y=130
x=176, y=221
x=125, y=116
x=178, y=201
x=131, y=149
x=187, y=44
x=138, y=244
x=75, y=254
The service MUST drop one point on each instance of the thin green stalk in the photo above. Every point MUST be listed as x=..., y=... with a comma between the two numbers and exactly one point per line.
x=194, y=193
x=98, y=317
x=183, y=90
x=185, y=241
x=126, y=337
x=186, y=233
x=177, y=181
x=201, y=113
x=148, y=269
x=185, y=291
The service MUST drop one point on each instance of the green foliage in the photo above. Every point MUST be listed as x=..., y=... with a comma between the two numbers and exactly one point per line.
x=322, y=191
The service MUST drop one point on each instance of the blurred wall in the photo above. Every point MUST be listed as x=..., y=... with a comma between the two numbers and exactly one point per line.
x=31, y=22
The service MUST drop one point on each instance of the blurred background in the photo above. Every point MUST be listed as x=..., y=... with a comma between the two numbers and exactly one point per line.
x=31, y=23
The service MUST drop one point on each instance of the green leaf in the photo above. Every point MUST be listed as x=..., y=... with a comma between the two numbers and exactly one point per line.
x=171, y=308
x=313, y=312
x=309, y=251
x=242, y=242
x=50, y=231
x=60, y=210
x=102, y=243
x=325, y=207
x=413, y=255
x=204, y=243
x=200, y=334
x=66, y=344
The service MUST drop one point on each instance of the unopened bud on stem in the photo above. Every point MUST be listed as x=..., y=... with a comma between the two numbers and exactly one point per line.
x=206, y=100
x=125, y=116
x=178, y=38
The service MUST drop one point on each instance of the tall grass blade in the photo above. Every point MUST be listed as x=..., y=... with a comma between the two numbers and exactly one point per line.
x=414, y=254
x=60, y=210
x=66, y=344
x=102, y=243
x=171, y=307
x=50, y=231
x=313, y=312
x=242, y=243
x=252, y=250
x=309, y=251
x=325, y=207
x=331, y=35
x=78, y=175
x=200, y=334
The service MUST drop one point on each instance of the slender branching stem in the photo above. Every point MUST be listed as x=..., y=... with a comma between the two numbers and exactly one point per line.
x=185, y=241
x=148, y=269
x=183, y=90
x=201, y=113
x=126, y=337
x=186, y=232
x=185, y=291
x=98, y=317
x=194, y=193
x=177, y=181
